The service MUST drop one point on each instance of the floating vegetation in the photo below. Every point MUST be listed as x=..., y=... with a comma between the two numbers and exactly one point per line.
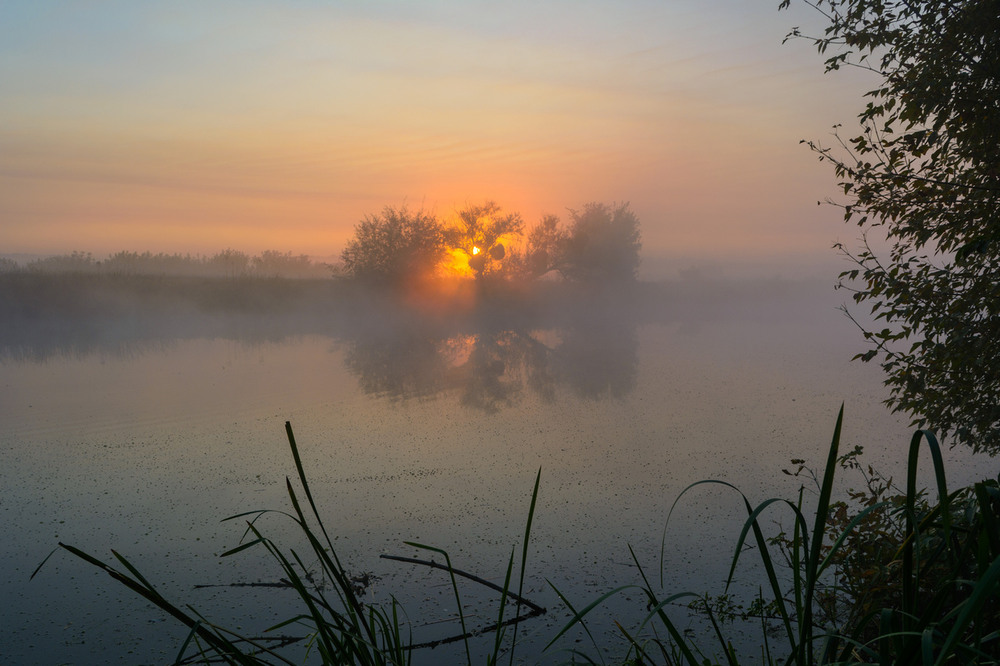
x=892, y=579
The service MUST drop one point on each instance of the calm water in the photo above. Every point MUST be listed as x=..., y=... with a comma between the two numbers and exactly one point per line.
x=143, y=444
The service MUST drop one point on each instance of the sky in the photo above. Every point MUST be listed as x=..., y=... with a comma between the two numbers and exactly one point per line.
x=192, y=127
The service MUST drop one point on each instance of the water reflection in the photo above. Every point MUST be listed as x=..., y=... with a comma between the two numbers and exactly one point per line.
x=492, y=368
x=492, y=376
x=408, y=365
x=488, y=359
x=489, y=356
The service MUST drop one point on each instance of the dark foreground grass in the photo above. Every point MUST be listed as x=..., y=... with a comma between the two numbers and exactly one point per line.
x=889, y=579
x=333, y=623
x=921, y=587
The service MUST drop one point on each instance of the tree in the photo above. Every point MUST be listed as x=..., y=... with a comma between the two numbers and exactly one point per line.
x=484, y=233
x=546, y=247
x=603, y=244
x=230, y=263
x=925, y=173
x=394, y=246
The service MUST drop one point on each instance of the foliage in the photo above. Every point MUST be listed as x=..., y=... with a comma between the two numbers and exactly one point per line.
x=231, y=263
x=904, y=564
x=228, y=263
x=271, y=263
x=341, y=628
x=77, y=262
x=868, y=568
x=602, y=245
x=394, y=246
x=546, y=249
x=485, y=233
x=867, y=558
x=930, y=594
x=134, y=263
x=923, y=171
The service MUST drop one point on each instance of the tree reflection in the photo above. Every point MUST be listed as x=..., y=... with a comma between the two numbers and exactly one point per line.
x=491, y=381
x=490, y=369
x=398, y=366
x=600, y=359
x=489, y=352
x=499, y=362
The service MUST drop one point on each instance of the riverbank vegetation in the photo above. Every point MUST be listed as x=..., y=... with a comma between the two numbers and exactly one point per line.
x=885, y=576
x=228, y=263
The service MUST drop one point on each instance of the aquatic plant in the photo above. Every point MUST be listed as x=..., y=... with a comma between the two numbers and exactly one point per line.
x=928, y=595
x=338, y=626
x=885, y=577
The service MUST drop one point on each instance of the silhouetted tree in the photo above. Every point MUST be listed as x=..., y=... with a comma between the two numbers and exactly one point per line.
x=603, y=244
x=547, y=244
x=924, y=172
x=394, y=246
x=481, y=232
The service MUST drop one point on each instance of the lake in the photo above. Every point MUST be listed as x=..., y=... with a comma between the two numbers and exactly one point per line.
x=141, y=435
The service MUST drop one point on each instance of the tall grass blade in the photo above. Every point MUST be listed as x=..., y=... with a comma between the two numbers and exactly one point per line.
x=578, y=616
x=984, y=591
x=524, y=557
x=187, y=641
x=42, y=563
x=327, y=555
x=643, y=656
x=498, y=634
x=991, y=523
x=242, y=547
x=910, y=582
x=812, y=561
x=219, y=644
x=305, y=487
x=657, y=611
x=454, y=587
x=535, y=608
x=751, y=523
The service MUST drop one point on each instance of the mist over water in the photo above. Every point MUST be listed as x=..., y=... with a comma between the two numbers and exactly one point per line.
x=138, y=414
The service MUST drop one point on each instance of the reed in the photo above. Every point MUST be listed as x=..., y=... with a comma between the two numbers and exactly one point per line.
x=889, y=579
x=935, y=600
x=339, y=628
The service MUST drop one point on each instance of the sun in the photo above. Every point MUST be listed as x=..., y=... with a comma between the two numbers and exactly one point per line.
x=456, y=264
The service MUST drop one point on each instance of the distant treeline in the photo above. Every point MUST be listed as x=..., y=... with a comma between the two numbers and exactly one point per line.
x=228, y=263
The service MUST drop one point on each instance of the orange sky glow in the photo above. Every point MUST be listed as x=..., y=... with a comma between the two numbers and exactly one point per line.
x=192, y=128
